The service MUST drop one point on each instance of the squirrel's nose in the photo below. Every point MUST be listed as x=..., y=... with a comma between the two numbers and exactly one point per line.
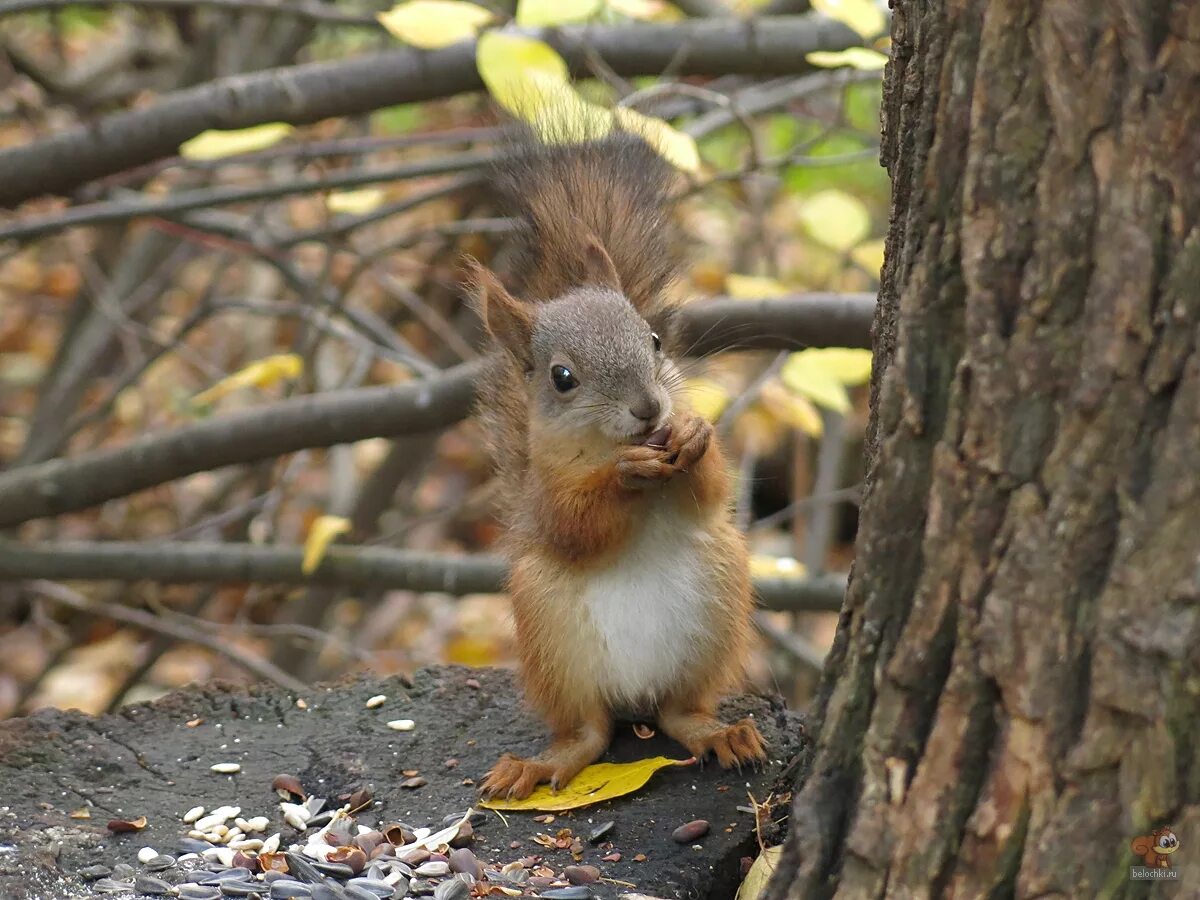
x=646, y=409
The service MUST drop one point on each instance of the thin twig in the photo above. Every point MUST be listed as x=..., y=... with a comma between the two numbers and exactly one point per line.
x=262, y=668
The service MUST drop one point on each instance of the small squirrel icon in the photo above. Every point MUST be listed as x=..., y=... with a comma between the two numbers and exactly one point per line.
x=1155, y=848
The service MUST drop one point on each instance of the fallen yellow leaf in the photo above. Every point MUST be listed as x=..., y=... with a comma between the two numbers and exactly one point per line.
x=263, y=373
x=595, y=784
x=854, y=57
x=674, y=146
x=864, y=16
x=216, y=144
x=760, y=874
x=555, y=12
x=430, y=24
x=320, y=535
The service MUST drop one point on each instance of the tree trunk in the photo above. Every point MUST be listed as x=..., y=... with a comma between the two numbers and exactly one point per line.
x=1014, y=692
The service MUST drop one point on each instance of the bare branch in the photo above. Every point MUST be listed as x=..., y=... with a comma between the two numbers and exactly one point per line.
x=296, y=9
x=140, y=205
x=785, y=323
x=178, y=630
x=341, y=417
x=343, y=566
x=308, y=93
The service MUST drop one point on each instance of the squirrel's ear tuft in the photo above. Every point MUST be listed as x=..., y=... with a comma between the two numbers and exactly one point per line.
x=598, y=266
x=506, y=318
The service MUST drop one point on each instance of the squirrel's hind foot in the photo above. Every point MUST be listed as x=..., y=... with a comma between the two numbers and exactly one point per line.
x=733, y=745
x=514, y=778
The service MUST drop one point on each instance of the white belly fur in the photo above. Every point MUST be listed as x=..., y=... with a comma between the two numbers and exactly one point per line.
x=648, y=609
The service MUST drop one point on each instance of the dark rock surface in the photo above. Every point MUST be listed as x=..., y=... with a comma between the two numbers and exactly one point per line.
x=154, y=760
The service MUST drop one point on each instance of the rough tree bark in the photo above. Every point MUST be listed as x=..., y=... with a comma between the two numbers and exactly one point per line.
x=1013, y=692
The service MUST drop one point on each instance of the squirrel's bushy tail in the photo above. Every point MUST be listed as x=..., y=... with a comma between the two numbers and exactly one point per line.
x=615, y=190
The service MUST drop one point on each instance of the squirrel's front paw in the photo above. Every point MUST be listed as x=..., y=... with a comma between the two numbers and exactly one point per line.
x=689, y=442
x=644, y=466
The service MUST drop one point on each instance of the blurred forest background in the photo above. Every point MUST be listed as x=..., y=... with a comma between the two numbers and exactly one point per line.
x=274, y=262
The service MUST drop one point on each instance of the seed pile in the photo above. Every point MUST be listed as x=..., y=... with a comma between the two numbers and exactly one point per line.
x=333, y=856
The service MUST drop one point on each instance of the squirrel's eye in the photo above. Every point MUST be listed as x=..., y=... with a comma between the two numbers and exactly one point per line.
x=657, y=341
x=564, y=380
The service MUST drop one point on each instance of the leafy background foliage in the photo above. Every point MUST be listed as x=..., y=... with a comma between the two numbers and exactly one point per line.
x=230, y=307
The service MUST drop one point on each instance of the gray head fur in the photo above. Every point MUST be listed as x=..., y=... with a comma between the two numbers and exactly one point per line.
x=623, y=381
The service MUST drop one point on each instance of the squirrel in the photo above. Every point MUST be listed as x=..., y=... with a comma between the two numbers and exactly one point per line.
x=1155, y=848
x=630, y=585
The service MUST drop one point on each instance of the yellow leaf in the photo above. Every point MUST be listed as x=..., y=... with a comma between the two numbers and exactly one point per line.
x=263, y=373
x=361, y=201
x=755, y=883
x=849, y=366
x=430, y=24
x=320, y=535
x=555, y=12
x=217, y=144
x=791, y=408
x=707, y=398
x=835, y=219
x=864, y=16
x=869, y=255
x=854, y=57
x=763, y=566
x=752, y=287
x=809, y=379
x=674, y=146
x=507, y=62
x=638, y=9
x=595, y=784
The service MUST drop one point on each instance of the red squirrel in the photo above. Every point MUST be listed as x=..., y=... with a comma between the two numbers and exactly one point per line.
x=630, y=585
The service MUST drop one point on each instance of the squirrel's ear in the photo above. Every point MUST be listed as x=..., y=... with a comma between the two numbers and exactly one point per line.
x=598, y=266
x=506, y=318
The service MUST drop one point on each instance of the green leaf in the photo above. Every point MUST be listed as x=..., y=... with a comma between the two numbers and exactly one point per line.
x=836, y=219
x=216, y=144
x=595, y=784
x=854, y=57
x=864, y=16
x=555, y=12
x=755, y=883
x=430, y=24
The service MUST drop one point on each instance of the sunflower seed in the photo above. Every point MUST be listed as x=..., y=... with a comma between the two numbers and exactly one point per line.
x=193, y=814
x=597, y=834
x=148, y=885
x=198, y=892
x=243, y=888
x=226, y=768
x=91, y=873
x=376, y=701
x=402, y=725
x=287, y=890
x=111, y=886
x=452, y=890
x=160, y=863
